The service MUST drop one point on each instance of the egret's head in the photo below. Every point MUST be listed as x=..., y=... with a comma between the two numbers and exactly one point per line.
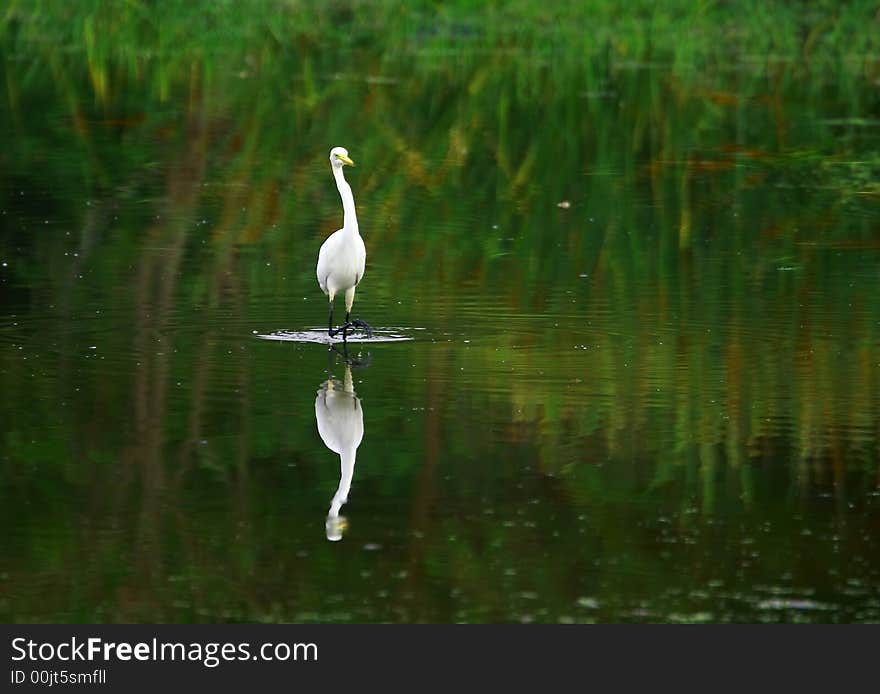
x=339, y=157
x=335, y=527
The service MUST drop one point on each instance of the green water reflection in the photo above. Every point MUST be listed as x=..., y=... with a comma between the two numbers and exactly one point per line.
x=645, y=379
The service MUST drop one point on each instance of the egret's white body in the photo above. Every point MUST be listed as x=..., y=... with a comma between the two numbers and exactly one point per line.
x=341, y=427
x=343, y=256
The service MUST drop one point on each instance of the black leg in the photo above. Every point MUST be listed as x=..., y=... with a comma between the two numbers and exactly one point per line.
x=343, y=353
x=353, y=362
x=346, y=326
x=330, y=323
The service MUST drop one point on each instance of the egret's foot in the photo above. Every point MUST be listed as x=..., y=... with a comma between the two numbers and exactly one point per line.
x=351, y=326
x=363, y=325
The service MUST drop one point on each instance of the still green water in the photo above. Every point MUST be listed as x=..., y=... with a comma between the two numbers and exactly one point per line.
x=644, y=379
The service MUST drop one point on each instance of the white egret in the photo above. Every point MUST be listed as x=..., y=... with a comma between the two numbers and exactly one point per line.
x=341, y=427
x=342, y=257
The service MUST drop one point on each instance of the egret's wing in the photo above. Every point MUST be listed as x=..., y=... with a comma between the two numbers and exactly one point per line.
x=324, y=256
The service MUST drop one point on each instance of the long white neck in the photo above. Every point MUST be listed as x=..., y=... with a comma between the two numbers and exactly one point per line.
x=347, y=459
x=350, y=222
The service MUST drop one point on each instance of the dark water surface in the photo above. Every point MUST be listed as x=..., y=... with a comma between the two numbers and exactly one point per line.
x=643, y=382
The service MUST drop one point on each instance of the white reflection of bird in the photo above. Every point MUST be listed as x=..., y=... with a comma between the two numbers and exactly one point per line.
x=341, y=427
x=342, y=257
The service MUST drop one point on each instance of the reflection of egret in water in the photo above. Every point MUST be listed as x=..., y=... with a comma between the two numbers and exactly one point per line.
x=341, y=427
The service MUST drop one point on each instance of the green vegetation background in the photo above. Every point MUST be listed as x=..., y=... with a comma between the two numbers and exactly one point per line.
x=164, y=165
